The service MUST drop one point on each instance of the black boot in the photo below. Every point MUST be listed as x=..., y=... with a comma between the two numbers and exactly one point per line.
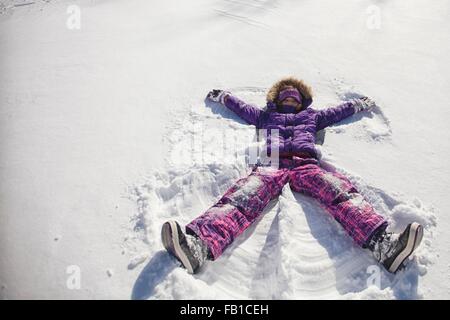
x=189, y=250
x=392, y=250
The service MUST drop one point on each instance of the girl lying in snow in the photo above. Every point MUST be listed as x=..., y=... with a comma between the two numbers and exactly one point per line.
x=289, y=111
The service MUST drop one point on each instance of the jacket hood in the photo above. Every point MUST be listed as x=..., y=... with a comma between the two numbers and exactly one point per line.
x=300, y=85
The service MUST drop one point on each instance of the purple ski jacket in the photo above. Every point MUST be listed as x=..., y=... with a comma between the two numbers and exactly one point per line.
x=296, y=131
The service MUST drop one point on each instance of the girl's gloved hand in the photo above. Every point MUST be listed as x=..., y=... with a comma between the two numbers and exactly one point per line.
x=364, y=103
x=217, y=95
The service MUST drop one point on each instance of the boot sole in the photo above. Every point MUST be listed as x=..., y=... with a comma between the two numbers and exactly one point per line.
x=414, y=238
x=171, y=242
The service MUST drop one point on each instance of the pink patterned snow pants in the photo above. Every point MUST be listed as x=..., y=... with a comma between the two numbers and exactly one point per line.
x=243, y=202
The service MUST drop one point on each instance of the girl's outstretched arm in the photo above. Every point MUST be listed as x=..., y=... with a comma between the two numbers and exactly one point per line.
x=332, y=115
x=246, y=111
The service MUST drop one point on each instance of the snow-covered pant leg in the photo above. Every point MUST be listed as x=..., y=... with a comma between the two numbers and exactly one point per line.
x=340, y=198
x=237, y=209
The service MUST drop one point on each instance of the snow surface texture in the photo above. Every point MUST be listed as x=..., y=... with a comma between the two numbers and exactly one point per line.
x=93, y=117
x=294, y=251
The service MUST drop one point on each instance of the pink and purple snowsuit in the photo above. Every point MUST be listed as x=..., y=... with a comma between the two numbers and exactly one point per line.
x=244, y=201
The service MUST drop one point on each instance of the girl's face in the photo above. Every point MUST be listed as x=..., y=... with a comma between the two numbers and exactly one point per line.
x=291, y=102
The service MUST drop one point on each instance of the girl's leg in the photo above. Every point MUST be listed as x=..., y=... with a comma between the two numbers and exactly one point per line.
x=237, y=209
x=341, y=199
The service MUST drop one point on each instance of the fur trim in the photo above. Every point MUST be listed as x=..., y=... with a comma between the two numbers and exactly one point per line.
x=300, y=85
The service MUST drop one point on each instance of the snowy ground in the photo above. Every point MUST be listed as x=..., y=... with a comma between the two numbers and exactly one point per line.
x=99, y=143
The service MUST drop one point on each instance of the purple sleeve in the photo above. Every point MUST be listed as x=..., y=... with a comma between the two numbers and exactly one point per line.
x=247, y=112
x=332, y=115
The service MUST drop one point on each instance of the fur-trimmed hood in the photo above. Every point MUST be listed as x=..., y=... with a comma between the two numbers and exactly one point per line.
x=300, y=85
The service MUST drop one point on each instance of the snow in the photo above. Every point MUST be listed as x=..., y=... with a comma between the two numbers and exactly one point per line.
x=106, y=135
x=137, y=260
